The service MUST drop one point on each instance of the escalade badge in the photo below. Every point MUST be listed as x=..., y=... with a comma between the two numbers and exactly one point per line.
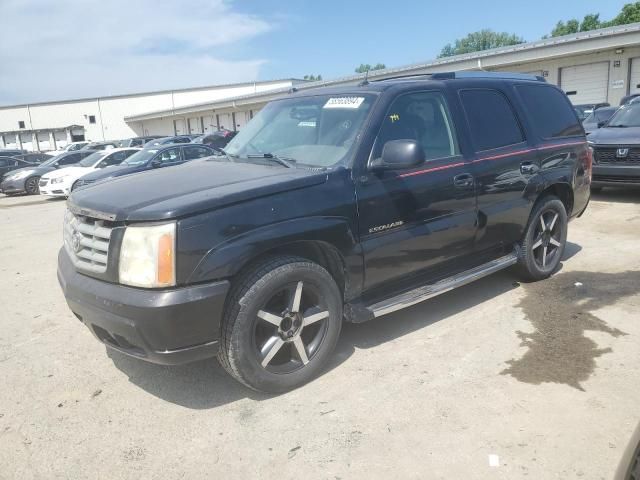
x=622, y=152
x=380, y=228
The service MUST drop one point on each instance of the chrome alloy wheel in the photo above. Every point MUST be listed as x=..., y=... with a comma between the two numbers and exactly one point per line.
x=547, y=238
x=290, y=327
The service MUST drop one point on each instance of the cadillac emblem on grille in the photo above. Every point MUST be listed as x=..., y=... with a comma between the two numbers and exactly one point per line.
x=75, y=241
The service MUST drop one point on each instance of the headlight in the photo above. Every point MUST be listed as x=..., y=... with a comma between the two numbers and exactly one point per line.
x=147, y=256
x=18, y=176
x=59, y=179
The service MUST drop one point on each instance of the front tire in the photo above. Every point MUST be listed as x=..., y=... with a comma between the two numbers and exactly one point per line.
x=31, y=185
x=544, y=240
x=281, y=324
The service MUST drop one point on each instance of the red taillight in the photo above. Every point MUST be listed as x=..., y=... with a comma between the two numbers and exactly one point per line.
x=588, y=167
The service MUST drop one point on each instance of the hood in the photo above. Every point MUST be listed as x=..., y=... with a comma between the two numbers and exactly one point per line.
x=32, y=171
x=113, y=171
x=73, y=171
x=615, y=136
x=193, y=187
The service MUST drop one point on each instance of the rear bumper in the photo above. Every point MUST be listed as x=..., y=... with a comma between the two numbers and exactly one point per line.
x=167, y=327
x=615, y=175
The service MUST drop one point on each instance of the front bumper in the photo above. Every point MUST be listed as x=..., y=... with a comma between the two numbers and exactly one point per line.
x=167, y=327
x=615, y=175
x=12, y=186
x=55, y=189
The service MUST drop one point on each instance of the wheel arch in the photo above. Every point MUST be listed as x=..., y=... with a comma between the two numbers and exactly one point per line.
x=327, y=241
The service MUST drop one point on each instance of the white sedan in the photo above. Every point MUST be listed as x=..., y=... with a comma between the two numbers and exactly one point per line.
x=59, y=182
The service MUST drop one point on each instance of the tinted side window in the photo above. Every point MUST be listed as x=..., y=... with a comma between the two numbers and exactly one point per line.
x=421, y=116
x=492, y=121
x=169, y=156
x=191, y=153
x=551, y=113
x=69, y=159
x=3, y=162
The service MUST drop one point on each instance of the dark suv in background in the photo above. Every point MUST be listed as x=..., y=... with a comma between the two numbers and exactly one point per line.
x=148, y=159
x=331, y=205
x=617, y=149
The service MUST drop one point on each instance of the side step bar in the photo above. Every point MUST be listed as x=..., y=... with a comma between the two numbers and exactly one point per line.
x=425, y=292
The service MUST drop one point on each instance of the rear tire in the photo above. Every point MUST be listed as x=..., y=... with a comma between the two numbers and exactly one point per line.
x=544, y=239
x=31, y=185
x=281, y=324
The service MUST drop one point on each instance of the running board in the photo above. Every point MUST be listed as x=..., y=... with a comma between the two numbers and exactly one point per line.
x=426, y=292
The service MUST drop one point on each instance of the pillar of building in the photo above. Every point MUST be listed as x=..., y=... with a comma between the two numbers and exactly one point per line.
x=35, y=143
x=52, y=141
x=18, y=141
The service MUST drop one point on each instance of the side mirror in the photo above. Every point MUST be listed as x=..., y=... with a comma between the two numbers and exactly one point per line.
x=399, y=155
x=155, y=163
x=55, y=165
x=601, y=124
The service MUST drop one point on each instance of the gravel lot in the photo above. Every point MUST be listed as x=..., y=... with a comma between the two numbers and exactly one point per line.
x=545, y=376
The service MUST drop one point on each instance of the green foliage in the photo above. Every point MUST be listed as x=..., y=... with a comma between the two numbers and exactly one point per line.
x=482, y=40
x=365, y=67
x=313, y=78
x=630, y=13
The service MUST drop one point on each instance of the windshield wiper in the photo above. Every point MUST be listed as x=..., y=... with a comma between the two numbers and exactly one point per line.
x=287, y=162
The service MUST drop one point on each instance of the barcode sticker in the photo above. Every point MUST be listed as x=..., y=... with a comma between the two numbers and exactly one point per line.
x=344, y=102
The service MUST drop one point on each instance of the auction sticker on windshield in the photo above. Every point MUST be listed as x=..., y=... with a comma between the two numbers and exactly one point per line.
x=344, y=102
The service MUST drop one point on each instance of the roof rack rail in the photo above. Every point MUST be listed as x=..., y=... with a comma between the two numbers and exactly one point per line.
x=483, y=74
x=396, y=77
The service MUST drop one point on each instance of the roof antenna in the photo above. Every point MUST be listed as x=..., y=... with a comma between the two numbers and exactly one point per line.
x=366, y=79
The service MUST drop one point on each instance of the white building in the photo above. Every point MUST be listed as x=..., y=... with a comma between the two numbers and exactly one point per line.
x=592, y=67
x=51, y=125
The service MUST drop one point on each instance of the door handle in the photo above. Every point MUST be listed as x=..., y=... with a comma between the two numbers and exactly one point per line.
x=527, y=168
x=463, y=180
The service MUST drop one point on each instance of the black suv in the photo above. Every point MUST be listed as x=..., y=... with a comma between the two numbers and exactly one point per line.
x=332, y=204
x=617, y=149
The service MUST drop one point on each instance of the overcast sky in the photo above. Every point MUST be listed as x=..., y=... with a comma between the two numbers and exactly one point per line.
x=63, y=49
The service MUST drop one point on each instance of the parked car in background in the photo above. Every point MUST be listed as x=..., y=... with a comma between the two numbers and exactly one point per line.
x=101, y=145
x=168, y=140
x=598, y=118
x=217, y=139
x=627, y=98
x=617, y=149
x=148, y=159
x=137, y=141
x=70, y=147
x=26, y=180
x=60, y=182
x=35, y=157
x=584, y=110
x=10, y=152
x=337, y=204
x=8, y=164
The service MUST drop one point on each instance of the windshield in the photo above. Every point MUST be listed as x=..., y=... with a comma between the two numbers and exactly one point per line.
x=626, y=116
x=314, y=131
x=140, y=158
x=49, y=162
x=92, y=159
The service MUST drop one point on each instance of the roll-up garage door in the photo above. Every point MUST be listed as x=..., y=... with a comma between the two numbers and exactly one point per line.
x=586, y=83
x=634, y=79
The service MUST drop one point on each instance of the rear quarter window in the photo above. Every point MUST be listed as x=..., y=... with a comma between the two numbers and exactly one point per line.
x=549, y=111
x=492, y=121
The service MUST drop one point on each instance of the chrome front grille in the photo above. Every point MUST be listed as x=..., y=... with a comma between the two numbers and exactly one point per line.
x=611, y=155
x=86, y=240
